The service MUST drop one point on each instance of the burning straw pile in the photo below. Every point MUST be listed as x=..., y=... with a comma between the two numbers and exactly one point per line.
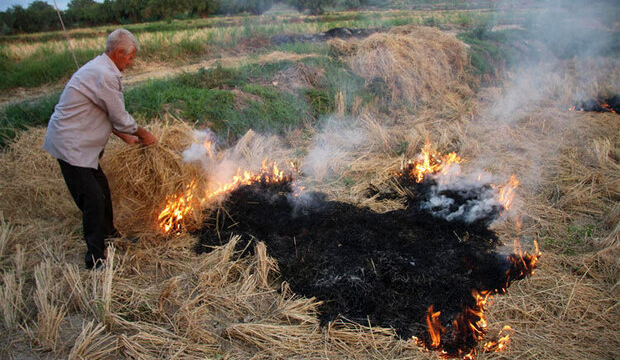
x=398, y=269
x=143, y=178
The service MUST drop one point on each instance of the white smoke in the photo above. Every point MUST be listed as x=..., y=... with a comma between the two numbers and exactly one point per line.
x=203, y=149
x=477, y=198
x=524, y=126
x=338, y=143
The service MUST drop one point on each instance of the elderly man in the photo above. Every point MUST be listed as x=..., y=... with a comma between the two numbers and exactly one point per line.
x=92, y=107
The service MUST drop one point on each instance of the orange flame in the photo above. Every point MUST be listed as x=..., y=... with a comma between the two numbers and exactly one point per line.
x=507, y=192
x=471, y=323
x=267, y=173
x=606, y=106
x=172, y=217
x=434, y=327
x=430, y=162
x=499, y=344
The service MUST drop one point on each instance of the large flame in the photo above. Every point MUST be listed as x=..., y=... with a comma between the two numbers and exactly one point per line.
x=172, y=219
x=267, y=174
x=469, y=327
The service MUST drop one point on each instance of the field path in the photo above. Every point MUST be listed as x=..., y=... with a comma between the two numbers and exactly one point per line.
x=145, y=71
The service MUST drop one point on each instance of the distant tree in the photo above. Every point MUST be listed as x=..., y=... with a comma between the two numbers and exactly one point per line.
x=203, y=7
x=314, y=6
x=38, y=16
x=256, y=7
x=164, y=9
x=108, y=12
x=85, y=12
x=130, y=10
x=7, y=21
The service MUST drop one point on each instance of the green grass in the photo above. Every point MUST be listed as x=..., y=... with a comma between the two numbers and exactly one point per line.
x=578, y=239
x=228, y=100
x=18, y=116
x=44, y=66
x=204, y=98
x=493, y=51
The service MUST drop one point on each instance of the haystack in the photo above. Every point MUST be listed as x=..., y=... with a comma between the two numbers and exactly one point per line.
x=31, y=185
x=415, y=63
x=142, y=179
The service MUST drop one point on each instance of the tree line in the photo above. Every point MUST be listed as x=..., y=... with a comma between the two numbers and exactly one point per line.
x=41, y=16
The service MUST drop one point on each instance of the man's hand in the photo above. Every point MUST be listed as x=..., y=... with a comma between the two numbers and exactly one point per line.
x=128, y=138
x=145, y=136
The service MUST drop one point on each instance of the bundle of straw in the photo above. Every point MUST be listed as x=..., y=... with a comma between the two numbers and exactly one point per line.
x=142, y=178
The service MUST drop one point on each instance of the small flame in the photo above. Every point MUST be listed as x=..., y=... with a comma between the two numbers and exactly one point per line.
x=430, y=162
x=499, y=344
x=506, y=192
x=606, y=106
x=434, y=327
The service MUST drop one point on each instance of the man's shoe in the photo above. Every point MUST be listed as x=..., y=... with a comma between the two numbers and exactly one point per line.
x=93, y=262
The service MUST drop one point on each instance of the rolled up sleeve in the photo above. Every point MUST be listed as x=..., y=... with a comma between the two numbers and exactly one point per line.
x=112, y=101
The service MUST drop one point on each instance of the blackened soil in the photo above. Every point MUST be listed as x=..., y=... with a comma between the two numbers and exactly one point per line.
x=386, y=268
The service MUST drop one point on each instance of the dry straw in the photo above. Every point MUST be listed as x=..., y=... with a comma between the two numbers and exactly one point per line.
x=415, y=63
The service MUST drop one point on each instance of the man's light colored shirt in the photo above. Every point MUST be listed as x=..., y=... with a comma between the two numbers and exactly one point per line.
x=90, y=106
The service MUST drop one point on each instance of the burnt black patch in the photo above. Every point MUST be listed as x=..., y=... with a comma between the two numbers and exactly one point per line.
x=383, y=268
x=599, y=104
x=340, y=32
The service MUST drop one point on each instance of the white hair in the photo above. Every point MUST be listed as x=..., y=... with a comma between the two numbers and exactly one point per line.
x=123, y=39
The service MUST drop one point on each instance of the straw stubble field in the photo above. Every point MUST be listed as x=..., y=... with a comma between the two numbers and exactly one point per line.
x=158, y=299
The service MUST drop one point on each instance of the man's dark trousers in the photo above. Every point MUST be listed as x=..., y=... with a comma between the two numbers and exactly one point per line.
x=91, y=193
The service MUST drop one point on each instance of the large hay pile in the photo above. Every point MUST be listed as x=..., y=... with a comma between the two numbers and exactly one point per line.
x=415, y=63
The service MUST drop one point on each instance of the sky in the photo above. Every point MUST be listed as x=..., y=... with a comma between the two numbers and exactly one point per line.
x=5, y=4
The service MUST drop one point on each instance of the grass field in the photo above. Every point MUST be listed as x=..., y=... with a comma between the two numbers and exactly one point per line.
x=494, y=86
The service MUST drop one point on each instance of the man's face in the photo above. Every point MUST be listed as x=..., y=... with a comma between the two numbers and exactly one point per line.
x=123, y=60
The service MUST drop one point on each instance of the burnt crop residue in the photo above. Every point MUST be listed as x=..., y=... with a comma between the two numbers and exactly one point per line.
x=386, y=268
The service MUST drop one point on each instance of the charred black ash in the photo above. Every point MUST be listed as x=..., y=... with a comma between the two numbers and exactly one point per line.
x=474, y=204
x=339, y=32
x=386, y=268
x=599, y=104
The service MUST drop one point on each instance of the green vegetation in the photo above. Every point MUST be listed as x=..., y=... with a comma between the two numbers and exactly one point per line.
x=493, y=51
x=41, y=16
x=49, y=63
x=46, y=66
x=578, y=239
x=28, y=113
x=231, y=100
